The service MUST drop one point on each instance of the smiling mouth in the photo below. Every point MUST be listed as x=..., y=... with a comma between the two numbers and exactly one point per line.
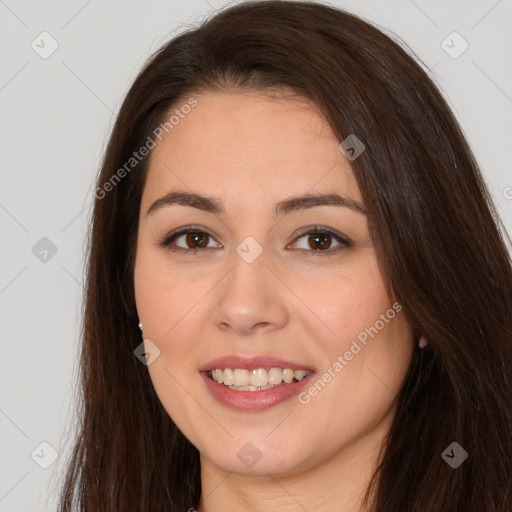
x=258, y=379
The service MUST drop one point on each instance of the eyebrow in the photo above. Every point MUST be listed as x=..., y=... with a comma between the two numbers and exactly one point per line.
x=214, y=204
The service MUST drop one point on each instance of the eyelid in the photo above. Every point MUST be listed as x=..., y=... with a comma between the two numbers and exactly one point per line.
x=341, y=239
x=322, y=229
x=165, y=243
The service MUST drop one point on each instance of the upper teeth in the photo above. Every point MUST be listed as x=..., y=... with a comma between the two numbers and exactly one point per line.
x=258, y=377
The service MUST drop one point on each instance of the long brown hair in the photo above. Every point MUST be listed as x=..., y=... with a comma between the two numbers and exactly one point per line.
x=441, y=246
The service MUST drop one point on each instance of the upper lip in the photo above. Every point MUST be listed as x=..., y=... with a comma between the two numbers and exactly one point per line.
x=232, y=361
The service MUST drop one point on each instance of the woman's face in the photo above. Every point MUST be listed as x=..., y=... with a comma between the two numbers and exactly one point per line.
x=262, y=284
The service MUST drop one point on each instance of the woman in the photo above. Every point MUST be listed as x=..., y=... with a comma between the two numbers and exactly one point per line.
x=289, y=212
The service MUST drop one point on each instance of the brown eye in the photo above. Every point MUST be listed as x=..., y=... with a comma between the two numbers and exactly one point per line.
x=319, y=241
x=199, y=238
x=188, y=239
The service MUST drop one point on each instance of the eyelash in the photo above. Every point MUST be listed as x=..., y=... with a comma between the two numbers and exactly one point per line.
x=166, y=242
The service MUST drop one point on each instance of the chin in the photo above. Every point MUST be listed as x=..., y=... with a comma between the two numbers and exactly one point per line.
x=259, y=457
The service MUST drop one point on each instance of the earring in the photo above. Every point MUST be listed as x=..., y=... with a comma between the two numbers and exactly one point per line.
x=140, y=326
x=422, y=343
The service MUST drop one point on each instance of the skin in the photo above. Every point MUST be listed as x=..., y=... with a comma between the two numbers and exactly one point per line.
x=251, y=151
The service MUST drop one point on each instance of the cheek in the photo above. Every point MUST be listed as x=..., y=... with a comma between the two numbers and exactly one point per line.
x=366, y=351
x=167, y=299
x=167, y=304
x=344, y=302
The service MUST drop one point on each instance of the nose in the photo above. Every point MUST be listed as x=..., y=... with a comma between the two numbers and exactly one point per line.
x=250, y=299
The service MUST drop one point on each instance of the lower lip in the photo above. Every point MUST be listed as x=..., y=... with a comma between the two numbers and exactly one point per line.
x=253, y=400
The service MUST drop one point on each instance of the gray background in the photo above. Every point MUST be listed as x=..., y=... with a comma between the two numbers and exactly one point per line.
x=56, y=114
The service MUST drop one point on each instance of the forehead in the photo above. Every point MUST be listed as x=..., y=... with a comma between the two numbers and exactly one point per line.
x=236, y=142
